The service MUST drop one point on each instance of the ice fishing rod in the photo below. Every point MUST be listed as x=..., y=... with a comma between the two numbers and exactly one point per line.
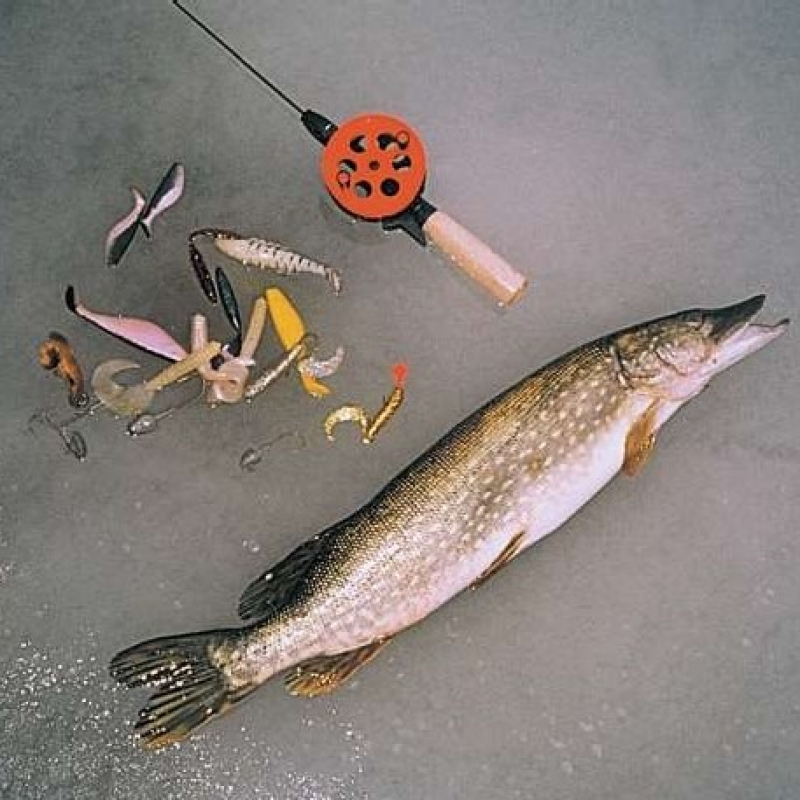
x=374, y=166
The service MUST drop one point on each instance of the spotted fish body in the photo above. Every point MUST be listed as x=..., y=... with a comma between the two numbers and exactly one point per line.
x=443, y=522
x=502, y=479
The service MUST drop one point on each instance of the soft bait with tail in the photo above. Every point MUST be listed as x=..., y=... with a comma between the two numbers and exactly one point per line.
x=56, y=355
x=252, y=252
x=131, y=401
x=281, y=366
x=370, y=426
x=141, y=333
x=144, y=213
x=290, y=329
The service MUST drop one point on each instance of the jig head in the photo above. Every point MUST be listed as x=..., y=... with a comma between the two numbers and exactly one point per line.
x=252, y=456
x=147, y=422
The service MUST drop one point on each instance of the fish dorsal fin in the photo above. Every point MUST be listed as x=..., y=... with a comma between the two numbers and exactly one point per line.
x=277, y=585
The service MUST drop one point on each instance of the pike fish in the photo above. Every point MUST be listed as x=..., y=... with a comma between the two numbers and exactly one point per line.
x=502, y=479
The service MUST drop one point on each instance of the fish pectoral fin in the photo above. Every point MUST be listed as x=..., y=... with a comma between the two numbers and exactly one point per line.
x=641, y=440
x=275, y=587
x=509, y=552
x=325, y=674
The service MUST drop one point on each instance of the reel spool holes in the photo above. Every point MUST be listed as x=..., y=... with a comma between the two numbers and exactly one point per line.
x=374, y=166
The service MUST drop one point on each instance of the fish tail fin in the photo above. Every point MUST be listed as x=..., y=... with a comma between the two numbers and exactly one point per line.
x=191, y=688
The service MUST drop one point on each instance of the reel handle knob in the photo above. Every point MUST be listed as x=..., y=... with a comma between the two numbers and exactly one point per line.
x=474, y=258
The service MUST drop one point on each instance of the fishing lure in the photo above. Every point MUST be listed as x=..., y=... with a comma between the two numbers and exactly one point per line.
x=131, y=401
x=140, y=333
x=143, y=214
x=293, y=356
x=370, y=426
x=56, y=355
x=227, y=381
x=147, y=422
x=290, y=329
x=252, y=252
x=321, y=368
x=253, y=456
x=347, y=413
x=391, y=404
x=231, y=309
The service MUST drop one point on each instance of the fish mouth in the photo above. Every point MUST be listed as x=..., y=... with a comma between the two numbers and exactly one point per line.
x=736, y=335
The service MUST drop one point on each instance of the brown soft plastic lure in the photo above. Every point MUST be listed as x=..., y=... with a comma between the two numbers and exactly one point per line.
x=57, y=356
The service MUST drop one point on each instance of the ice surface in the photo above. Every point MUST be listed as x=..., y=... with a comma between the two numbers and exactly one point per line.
x=634, y=159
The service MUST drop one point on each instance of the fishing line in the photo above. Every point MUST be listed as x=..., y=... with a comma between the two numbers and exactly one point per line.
x=374, y=166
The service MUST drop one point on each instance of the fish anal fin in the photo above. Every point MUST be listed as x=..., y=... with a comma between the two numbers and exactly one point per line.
x=641, y=440
x=325, y=674
x=275, y=587
x=508, y=553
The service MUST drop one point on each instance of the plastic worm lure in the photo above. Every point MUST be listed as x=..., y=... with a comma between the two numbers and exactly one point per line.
x=321, y=368
x=259, y=253
x=371, y=426
x=131, y=401
x=391, y=404
x=281, y=367
x=55, y=354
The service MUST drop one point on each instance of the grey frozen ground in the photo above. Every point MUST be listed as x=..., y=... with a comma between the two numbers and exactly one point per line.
x=634, y=159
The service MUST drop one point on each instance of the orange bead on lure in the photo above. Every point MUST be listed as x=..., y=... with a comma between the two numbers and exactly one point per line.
x=371, y=426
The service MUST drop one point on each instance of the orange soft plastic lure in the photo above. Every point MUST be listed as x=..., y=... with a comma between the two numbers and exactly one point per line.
x=56, y=355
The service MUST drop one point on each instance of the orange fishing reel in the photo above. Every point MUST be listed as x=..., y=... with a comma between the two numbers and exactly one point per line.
x=374, y=166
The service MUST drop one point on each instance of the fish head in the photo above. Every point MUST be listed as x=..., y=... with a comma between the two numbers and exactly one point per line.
x=675, y=357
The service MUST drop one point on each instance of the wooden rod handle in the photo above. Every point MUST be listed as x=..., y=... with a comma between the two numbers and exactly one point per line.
x=475, y=258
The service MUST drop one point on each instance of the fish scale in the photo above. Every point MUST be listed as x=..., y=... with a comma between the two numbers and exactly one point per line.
x=429, y=535
x=506, y=476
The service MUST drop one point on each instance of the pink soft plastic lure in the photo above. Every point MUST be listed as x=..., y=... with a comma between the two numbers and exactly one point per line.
x=142, y=333
x=144, y=213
